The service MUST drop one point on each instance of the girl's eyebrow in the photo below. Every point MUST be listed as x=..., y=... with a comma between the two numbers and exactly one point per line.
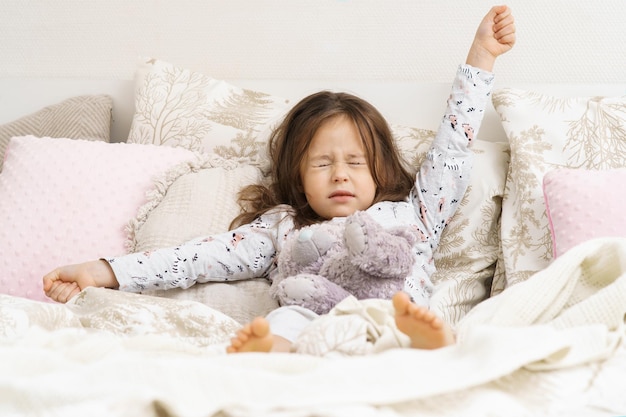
x=328, y=157
x=355, y=156
x=320, y=157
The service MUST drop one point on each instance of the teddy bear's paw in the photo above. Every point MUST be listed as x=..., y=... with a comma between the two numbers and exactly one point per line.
x=362, y=235
x=310, y=291
x=298, y=289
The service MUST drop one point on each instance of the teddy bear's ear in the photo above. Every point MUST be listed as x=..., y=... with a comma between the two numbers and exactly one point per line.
x=323, y=240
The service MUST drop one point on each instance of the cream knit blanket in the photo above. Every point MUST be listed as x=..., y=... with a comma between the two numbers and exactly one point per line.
x=582, y=295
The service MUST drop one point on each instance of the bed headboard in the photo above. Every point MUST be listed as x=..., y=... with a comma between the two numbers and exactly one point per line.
x=412, y=104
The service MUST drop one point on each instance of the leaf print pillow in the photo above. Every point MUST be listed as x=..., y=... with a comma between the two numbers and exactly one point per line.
x=178, y=107
x=546, y=133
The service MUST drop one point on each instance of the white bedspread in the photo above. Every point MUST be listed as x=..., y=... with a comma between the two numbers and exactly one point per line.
x=553, y=345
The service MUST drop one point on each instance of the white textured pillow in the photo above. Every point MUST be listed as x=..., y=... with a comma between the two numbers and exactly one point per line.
x=545, y=133
x=175, y=106
x=65, y=201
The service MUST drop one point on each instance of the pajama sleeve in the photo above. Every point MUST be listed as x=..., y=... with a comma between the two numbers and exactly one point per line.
x=444, y=175
x=243, y=253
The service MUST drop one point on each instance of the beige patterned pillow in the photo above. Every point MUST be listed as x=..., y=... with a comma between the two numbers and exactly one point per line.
x=545, y=133
x=198, y=199
x=178, y=107
x=202, y=192
x=470, y=244
x=82, y=117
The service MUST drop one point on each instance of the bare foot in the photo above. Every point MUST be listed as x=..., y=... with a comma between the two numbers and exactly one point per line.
x=424, y=328
x=253, y=337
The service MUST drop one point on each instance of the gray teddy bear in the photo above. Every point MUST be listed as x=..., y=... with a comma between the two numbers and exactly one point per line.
x=322, y=264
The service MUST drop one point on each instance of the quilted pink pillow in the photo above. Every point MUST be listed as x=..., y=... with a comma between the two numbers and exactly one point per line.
x=584, y=204
x=66, y=201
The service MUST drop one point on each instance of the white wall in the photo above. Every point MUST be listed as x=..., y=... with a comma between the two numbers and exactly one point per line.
x=562, y=41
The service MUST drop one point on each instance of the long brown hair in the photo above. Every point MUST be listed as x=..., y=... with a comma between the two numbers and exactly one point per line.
x=290, y=141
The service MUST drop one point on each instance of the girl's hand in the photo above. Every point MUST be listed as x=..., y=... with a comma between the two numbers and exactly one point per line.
x=65, y=282
x=495, y=36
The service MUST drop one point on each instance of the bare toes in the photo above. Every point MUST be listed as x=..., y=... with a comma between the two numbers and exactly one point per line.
x=259, y=327
x=418, y=312
x=401, y=302
x=252, y=337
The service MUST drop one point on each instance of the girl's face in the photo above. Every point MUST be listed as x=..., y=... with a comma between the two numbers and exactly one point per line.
x=336, y=178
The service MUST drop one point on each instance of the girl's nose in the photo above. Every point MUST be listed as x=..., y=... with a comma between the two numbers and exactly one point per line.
x=339, y=173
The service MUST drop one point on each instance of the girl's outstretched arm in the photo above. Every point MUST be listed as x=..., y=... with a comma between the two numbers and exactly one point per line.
x=495, y=36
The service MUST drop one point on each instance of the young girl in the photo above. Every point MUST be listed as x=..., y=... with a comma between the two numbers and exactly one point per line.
x=332, y=155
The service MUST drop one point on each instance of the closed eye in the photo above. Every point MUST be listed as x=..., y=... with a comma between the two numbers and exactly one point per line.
x=357, y=160
x=325, y=161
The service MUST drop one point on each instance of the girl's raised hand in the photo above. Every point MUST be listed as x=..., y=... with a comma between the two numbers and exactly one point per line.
x=495, y=35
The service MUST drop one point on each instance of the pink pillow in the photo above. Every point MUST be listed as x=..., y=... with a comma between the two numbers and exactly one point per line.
x=584, y=204
x=66, y=201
